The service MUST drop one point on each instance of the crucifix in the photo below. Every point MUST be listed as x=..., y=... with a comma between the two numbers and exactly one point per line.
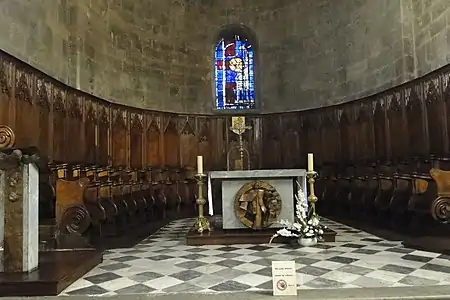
x=238, y=127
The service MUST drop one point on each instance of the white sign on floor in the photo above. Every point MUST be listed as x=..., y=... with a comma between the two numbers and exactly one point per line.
x=284, y=278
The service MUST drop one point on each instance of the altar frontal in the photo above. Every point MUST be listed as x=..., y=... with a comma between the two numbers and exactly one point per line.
x=257, y=199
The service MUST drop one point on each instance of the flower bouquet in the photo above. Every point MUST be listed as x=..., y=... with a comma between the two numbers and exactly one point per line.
x=306, y=228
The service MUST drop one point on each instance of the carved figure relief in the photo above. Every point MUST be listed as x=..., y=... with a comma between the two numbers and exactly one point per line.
x=74, y=107
x=257, y=204
x=4, y=89
x=22, y=88
x=42, y=94
x=59, y=104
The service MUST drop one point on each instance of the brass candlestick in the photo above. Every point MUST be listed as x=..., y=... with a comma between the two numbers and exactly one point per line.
x=201, y=223
x=312, y=198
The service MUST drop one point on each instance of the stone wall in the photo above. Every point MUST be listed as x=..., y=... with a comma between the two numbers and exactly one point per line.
x=139, y=53
x=430, y=34
x=318, y=53
x=159, y=54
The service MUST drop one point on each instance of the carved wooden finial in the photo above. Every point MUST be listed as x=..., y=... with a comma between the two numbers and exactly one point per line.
x=7, y=137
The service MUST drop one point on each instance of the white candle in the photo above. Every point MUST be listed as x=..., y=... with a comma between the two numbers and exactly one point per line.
x=310, y=162
x=200, y=164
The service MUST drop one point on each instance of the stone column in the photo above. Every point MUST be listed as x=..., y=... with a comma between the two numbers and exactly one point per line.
x=2, y=221
x=19, y=205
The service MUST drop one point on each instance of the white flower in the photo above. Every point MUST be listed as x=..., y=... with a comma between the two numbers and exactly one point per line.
x=297, y=226
x=305, y=226
x=285, y=232
x=314, y=221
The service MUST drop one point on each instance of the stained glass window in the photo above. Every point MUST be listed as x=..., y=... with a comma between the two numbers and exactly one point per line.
x=234, y=74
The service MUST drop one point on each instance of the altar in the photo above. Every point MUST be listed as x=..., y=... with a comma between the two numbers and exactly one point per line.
x=256, y=199
x=253, y=202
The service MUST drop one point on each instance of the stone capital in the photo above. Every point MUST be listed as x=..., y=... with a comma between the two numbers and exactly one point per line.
x=14, y=158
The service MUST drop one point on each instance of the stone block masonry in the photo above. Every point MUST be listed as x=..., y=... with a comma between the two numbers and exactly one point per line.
x=159, y=54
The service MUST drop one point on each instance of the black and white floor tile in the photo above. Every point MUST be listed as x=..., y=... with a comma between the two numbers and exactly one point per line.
x=163, y=263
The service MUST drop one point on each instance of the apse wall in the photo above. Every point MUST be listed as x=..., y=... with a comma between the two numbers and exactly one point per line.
x=139, y=53
x=158, y=54
x=317, y=53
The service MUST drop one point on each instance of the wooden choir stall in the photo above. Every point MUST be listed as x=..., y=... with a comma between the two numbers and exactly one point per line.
x=110, y=175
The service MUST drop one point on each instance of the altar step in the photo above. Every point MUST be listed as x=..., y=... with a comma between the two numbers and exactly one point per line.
x=57, y=270
x=220, y=236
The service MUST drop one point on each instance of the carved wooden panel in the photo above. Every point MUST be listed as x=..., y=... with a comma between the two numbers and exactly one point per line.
x=75, y=129
x=249, y=136
x=290, y=141
x=346, y=134
x=59, y=124
x=171, y=142
x=364, y=132
x=313, y=124
x=272, y=144
x=446, y=99
x=90, y=128
x=43, y=93
x=330, y=136
x=218, y=140
x=119, y=137
x=68, y=126
x=5, y=93
x=25, y=126
x=136, y=140
x=396, y=129
x=354, y=128
x=257, y=152
x=205, y=133
x=379, y=128
x=414, y=113
x=102, y=153
x=188, y=142
x=153, y=142
x=435, y=116
x=303, y=138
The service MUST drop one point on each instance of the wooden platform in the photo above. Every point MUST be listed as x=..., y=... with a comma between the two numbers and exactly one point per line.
x=221, y=236
x=57, y=270
x=135, y=235
x=424, y=242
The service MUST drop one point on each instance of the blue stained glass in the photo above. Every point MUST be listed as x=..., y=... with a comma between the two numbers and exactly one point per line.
x=234, y=74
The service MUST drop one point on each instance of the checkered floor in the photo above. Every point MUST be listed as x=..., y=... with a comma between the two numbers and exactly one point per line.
x=163, y=263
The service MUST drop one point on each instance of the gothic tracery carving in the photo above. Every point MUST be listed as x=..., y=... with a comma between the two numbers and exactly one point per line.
x=22, y=88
